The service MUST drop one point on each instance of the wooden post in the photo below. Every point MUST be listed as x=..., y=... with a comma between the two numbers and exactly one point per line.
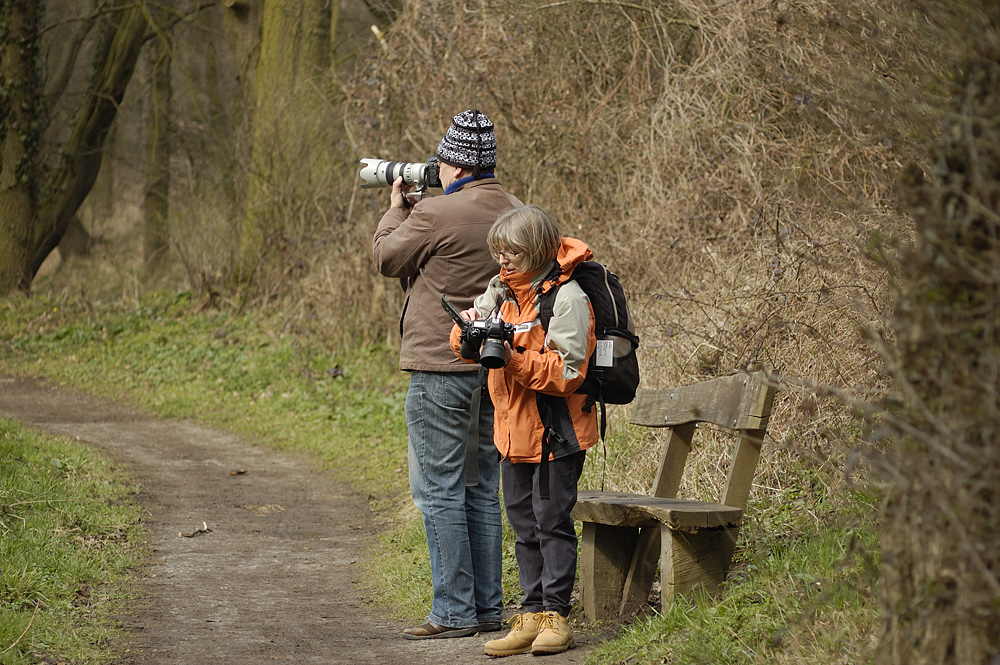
x=738, y=484
x=605, y=555
x=691, y=560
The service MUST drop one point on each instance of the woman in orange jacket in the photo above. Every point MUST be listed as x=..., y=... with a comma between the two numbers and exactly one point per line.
x=540, y=427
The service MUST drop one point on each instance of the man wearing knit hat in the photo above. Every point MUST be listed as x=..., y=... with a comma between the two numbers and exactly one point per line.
x=438, y=246
x=470, y=143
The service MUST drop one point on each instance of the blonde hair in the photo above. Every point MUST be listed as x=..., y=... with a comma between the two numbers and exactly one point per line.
x=528, y=231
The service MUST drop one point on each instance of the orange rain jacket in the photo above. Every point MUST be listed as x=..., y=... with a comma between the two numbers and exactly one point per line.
x=534, y=393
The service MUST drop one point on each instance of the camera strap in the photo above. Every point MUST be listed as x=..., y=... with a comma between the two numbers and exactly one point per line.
x=472, y=436
x=543, y=467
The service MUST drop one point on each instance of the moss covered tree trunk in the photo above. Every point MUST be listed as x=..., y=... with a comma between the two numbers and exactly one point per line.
x=242, y=21
x=940, y=587
x=291, y=79
x=19, y=134
x=70, y=182
x=157, y=199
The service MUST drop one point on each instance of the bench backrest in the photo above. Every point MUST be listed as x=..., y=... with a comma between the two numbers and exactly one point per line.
x=740, y=403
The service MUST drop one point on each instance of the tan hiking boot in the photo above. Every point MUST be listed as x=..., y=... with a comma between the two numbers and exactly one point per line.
x=523, y=631
x=554, y=635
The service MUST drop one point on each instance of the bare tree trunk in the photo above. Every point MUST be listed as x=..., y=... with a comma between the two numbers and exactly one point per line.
x=221, y=146
x=101, y=196
x=940, y=586
x=243, y=21
x=37, y=205
x=19, y=137
x=83, y=151
x=157, y=199
x=76, y=241
x=55, y=86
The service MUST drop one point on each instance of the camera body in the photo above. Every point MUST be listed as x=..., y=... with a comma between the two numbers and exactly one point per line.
x=382, y=173
x=488, y=336
x=483, y=339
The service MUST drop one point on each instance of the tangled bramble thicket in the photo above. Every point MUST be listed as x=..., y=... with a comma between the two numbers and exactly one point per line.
x=939, y=531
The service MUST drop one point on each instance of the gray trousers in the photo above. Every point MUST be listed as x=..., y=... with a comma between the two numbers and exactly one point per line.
x=546, y=539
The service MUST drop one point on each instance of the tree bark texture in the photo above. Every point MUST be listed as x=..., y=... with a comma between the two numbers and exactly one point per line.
x=243, y=25
x=72, y=179
x=37, y=204
x=940, y=586
x=156, y=207
x=294, y=59
x=20, y=124
x=56, y=83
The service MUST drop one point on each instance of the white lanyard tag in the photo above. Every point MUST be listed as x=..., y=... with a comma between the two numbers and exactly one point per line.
x=604, y=355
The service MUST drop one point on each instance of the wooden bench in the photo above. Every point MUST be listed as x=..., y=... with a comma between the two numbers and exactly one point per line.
x=624, y=535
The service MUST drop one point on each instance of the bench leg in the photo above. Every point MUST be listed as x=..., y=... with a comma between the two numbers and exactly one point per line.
x=642, y=572
x=693, y=560
x=605, y=555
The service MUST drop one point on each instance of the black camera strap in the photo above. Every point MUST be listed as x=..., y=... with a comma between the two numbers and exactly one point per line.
x=543, y=467
x=472, y=437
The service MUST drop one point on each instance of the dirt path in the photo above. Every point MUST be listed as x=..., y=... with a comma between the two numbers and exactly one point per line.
x=274, y=580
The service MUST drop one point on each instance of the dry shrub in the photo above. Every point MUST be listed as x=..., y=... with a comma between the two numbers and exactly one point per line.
x=733, y=163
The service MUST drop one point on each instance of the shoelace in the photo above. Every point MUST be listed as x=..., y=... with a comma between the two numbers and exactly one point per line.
x=547, y=621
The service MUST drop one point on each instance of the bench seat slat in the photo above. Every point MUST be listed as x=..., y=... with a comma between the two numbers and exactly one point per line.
x=637, y=510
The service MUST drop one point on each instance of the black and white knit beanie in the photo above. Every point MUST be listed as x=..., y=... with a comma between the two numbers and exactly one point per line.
x=470, y=142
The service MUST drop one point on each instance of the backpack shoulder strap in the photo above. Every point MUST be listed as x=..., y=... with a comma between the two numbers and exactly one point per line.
x=547, y=296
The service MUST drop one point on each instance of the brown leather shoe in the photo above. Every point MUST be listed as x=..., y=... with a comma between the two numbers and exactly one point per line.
x=490, y=626
x=433, y=631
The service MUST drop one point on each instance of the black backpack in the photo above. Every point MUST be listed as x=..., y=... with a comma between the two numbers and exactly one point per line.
x=613, y=373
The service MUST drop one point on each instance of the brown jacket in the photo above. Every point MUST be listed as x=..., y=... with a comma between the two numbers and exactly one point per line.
x=439, y=246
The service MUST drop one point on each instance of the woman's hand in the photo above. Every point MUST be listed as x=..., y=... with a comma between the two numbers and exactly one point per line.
x=469, y=314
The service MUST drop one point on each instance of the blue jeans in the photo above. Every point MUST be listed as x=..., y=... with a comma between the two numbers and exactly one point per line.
x=464, y=534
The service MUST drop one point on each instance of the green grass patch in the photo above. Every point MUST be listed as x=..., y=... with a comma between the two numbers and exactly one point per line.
x=801, y=590
x=70, y=532
x=795, y=596
x=257, y=374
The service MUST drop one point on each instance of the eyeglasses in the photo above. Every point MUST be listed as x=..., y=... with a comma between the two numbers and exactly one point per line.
x=506, y=254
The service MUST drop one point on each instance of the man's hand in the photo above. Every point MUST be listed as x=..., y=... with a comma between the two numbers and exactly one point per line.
x=469, y=314
x=399, y=191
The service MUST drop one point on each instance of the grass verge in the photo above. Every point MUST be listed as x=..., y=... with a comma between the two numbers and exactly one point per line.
x=802, y=589
x=70, y=532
